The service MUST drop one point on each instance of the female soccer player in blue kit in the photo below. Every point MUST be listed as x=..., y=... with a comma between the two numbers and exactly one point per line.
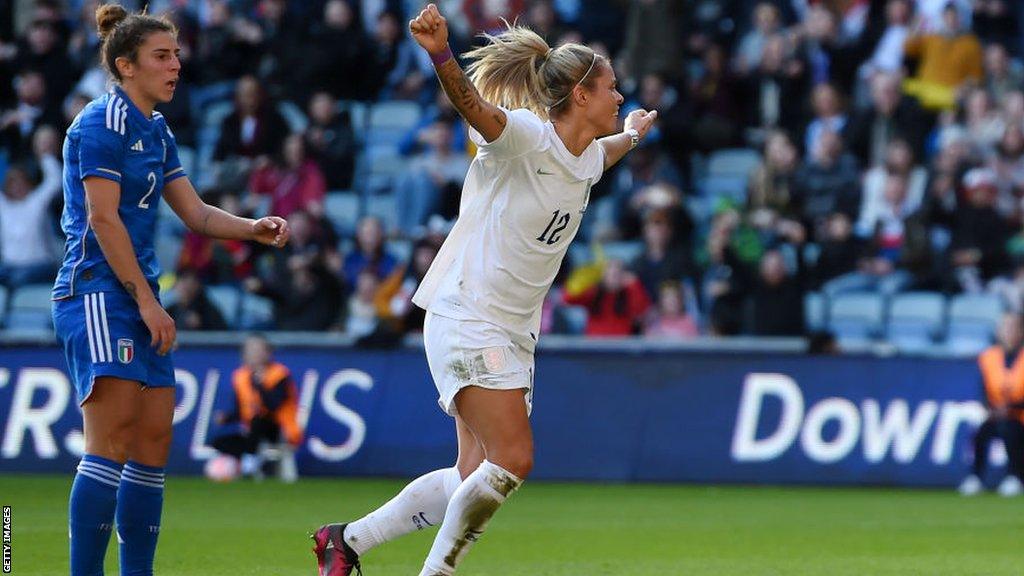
x=120, y=158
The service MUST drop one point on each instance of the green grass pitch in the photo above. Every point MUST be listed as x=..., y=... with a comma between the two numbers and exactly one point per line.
x=552, y=529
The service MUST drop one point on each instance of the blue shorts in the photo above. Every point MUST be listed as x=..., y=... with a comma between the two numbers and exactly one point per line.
x=103, y=335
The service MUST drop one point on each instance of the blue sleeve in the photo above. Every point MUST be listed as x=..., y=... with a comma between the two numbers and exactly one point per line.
x=101, y=148
x=172, y=165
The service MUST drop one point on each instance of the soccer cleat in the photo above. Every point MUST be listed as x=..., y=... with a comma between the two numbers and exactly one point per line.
x=334, y=557
x=971, y=486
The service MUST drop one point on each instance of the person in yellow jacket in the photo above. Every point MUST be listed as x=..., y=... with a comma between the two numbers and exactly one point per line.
x=1002, y=376
x=266, y=406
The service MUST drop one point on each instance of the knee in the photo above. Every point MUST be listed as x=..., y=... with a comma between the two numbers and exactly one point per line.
x=115, y=443
x=517, y=459
x=152, y=445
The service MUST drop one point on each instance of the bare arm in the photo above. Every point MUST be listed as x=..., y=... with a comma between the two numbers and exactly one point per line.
x=617, y=145
x=430, y=30
x=102, y=200
x=211, y=221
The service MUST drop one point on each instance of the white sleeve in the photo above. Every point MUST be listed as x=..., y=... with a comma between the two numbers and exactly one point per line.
x=523, y=132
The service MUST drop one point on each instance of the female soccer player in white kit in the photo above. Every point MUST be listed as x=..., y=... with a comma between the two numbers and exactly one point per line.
x=541, y=119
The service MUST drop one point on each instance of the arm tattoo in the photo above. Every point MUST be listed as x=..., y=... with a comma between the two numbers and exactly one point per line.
x=206, y=222
x=500, y=119
x=132, y=291
x=460, y=90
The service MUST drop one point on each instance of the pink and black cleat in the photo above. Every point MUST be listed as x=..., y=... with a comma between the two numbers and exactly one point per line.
x=334, y=557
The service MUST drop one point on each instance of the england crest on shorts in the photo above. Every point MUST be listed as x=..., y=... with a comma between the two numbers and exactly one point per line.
x=125, y=350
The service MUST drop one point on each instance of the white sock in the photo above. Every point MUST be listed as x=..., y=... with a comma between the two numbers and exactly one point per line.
x=419, y=505
x=470, y=509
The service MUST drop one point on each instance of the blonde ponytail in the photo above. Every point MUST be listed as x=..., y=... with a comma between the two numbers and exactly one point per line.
x=517, y=69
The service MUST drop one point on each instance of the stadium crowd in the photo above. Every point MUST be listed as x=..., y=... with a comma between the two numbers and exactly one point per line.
x=803, y=146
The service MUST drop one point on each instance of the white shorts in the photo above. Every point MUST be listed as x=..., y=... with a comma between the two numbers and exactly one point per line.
x=464, y=353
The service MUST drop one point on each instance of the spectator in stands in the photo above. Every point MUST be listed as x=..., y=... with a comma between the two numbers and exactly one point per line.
x=369, y=253
x=896, y=245
x=995, y=22
x=43, y=50
x=716, y=112
x=829, y=115
x=440, y=111
x=487, y=16
x=396, y=69
x=648, y=181
x=890, y=115
x=829, y=181
x=291, y=180
x=1002, y=75
x=192, y=308
x=361, y=313
x=653, y=42
x=887, y=56
x=977, y=251
x=336, y=61
x=665, y=257
x=982, y=121
x=32, y=110
x=1007, y=162
x=225, y=49
x=671, y=132
x=771, y=89
x=773, y=183
x=282, y=50
x=214, y=260
x=616, y=305
x=254, y=128
x=1002, y=386
x=775, y=296
x=266, y=407
x=331, y=140
x=73, y=104
x=432, y=181
x=394, y=297
x=948, y=60
x=542, y=18
x=28, y=251
x=307, y=298
x=767, y=23
x=671, y=320
x=899, y=159
x=839, y=250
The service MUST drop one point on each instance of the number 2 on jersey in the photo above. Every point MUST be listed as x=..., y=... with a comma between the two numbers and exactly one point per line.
x=558, y=221
x=152, y=186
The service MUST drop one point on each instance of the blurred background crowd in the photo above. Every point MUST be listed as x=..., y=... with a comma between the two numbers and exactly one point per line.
x=813, y=163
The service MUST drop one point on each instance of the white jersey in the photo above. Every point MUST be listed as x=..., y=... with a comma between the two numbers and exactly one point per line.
x=522, y=203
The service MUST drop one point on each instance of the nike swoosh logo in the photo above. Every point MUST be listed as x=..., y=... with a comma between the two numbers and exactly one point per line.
x=543, y=173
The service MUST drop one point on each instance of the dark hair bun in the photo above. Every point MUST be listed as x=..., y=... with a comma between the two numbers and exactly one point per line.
x=107, y=17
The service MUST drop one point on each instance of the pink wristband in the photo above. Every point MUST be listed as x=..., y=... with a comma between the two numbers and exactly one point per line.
x=439, y=59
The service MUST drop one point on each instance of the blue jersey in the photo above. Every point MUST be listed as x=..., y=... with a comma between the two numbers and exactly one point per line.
x=112, y=139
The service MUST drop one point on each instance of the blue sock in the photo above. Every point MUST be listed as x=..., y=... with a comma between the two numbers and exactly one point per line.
x=139, y=502
x=91, y=513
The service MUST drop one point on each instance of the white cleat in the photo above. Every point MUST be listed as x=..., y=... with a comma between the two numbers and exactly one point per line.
x=1011, y=486
x=971, y=486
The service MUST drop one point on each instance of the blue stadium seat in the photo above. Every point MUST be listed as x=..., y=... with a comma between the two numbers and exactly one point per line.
x=30, y=308
x=390, y=121
x=815, y=311
x=342, y=208
x=294, y=116
x=723, y=186
x=227, y=300
x=972, y=322
x=624, y=251
x=915, y=320
x=733, y=162
x=257, y=313
x=400, y=249
x=856, y=319
x=359, y=115
x=187, y=156
x=383, y=207
x=571, y=320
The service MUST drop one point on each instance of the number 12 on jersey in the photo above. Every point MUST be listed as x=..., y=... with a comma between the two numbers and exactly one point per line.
x=559, y=221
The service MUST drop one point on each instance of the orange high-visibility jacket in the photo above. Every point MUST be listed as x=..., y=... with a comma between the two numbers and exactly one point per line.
x=1003, y=386
x=251, y=405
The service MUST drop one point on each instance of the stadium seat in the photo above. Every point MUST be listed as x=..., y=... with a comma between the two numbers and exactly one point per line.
x=571, y=320
x=390, y=121
x=726, y=186
x=400, y=249
x=358, y=113
x=972, y=322
x=168, y=249
x=227, y=300
x=915, y=320
x=257, y=313
x=815, y=311
x=342, y=209
x=293, y=116
x=733, y=162
x=624, y=251
x=856, y=319
x=3, y=305
x=383, y=207
x=30, y=307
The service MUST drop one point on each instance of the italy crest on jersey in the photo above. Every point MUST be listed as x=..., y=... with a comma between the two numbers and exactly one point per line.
x=125, y=350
